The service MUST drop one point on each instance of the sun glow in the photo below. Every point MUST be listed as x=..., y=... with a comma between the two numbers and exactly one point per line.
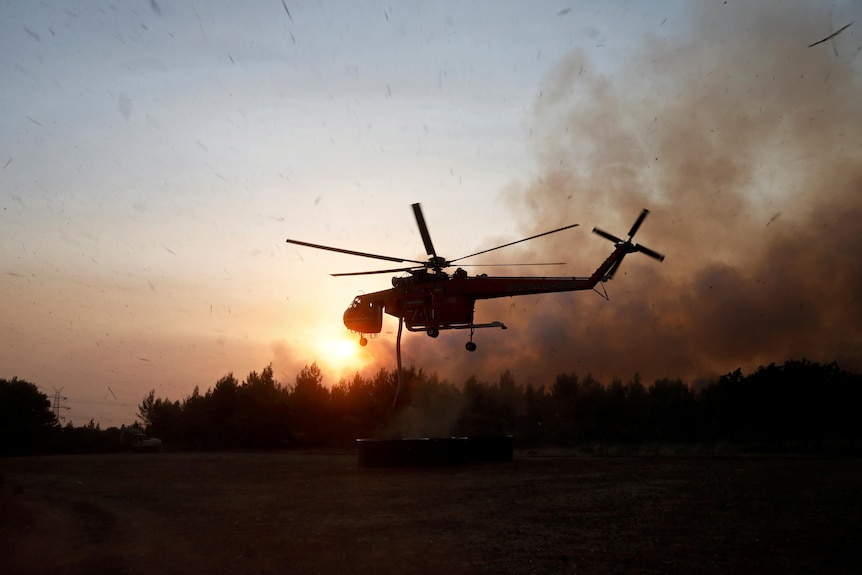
x=339, y=353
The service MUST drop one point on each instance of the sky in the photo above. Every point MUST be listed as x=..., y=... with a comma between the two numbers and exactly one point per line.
x=156, y=155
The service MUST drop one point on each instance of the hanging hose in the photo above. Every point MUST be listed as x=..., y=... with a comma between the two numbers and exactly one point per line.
x=398, y=360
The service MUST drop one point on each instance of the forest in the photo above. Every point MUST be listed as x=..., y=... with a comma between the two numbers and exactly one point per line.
x=796, y=406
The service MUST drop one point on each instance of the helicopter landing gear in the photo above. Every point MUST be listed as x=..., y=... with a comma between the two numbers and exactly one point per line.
x=470, y=345
x=363, y=341
x=433, y=332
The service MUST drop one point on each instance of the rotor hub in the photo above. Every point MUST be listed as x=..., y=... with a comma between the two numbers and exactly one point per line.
x=438, y=263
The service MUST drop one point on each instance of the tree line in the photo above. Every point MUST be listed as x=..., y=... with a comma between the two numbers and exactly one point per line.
x=795, y=405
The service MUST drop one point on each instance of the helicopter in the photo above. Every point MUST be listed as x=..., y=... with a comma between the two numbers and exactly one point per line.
x=430, y=300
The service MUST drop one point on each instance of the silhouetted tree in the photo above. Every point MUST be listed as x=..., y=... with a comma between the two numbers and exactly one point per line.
x=362, y=407
x=434, y=407
x=196, y=422
x=309, y=407
x=343, y=419
x=491, y=409
x=147, y=408
x=637, y=409
x=89, y=438
x=612, y=421
x=221, y=402
x=509, y=400
x=672, y=411
x=161, y=418
x=26, y=419
x=563, y=399
x=532, y=425
x=798, y=403
x=478, y=415
x=263, y=419
x=576, y=405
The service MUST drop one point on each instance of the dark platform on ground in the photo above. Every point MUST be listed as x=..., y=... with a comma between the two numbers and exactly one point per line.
x=429, y=451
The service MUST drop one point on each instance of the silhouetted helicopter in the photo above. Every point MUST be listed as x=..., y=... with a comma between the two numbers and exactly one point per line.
x=431, y=300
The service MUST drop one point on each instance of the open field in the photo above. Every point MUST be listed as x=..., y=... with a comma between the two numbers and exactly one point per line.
x=289, y=512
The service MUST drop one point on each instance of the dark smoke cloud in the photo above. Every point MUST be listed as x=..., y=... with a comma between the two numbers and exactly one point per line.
x=746, y=146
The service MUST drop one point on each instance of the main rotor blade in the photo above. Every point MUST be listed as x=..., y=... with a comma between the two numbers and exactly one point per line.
x=511, y=265
x=513, y=243
x=423, y=230
x=638, y=223
x=352, y=253
x=650, y=253
x=392, y=271
x=607, y=236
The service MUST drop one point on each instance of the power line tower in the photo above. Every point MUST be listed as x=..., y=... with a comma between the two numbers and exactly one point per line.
x=58, y=406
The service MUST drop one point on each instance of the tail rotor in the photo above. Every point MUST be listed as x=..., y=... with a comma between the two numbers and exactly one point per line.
x=627, y=244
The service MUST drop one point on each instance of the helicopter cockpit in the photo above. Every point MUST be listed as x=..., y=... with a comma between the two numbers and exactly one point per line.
x=364, y=316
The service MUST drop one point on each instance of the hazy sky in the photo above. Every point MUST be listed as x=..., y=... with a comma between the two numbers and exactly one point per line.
x=155, y=156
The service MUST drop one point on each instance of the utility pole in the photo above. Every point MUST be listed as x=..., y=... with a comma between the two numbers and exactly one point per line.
x=57, y=406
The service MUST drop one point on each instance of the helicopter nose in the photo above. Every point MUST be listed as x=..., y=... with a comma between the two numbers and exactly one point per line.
x=348, y=318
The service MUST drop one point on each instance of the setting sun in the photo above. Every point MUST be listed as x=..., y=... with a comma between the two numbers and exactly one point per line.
x=338, y=353
x=342, y=350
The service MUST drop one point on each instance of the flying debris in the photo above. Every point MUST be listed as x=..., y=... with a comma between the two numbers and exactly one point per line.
x=829, y=37
x=32, y=34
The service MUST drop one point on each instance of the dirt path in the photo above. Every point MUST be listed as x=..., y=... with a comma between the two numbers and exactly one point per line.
x=322, y=513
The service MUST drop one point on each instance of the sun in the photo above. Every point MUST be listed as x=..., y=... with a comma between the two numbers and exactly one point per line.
x=339, y=352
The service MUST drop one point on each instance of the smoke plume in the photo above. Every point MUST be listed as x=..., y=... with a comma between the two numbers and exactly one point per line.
x=744, y=143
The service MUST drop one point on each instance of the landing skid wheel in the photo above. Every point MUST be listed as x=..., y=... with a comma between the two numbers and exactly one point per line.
x=363, y=341
x=470, y=346
x=433, y=332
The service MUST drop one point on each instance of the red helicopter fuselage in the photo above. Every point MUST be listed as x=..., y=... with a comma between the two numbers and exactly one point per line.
x=432, y=302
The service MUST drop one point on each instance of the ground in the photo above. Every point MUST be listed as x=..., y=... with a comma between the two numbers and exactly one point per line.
x=320, y=512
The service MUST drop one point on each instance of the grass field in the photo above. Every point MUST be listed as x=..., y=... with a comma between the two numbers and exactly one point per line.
x=320, y=512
